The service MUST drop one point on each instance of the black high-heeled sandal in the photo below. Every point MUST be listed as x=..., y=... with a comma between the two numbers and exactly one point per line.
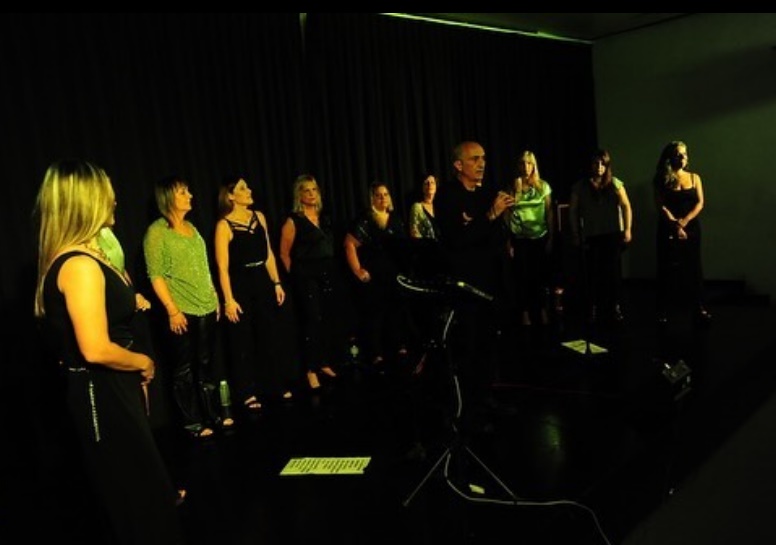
x=180, y=497
x=226, y=423
x=312, y=380
x=703, y=316
x=252, y=404
x=200, y=432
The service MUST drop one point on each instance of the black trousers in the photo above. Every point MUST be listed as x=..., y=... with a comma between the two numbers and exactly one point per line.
x=194, y=373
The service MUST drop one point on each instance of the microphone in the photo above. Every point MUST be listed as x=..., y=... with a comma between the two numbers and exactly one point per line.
x=468, y=288
x=441, y=286
x=417, y=286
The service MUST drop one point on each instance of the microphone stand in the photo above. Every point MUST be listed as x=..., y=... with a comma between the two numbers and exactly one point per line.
x=585, y=276
x=457, y=444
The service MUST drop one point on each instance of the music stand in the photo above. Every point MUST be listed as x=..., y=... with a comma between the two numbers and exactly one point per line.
x=584, y=280
x=588, y=301
x=448, y=289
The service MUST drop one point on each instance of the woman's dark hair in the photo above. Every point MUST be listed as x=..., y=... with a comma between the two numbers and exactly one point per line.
x=605, y=158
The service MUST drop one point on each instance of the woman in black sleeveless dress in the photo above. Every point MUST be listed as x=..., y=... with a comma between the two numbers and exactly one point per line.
x=679, y=200
x=322, y=308
x=87, y=308
x=261, y=337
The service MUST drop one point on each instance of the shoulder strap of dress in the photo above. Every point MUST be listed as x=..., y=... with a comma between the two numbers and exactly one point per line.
x=61, y=258
x=76, y=252
x=235, y=226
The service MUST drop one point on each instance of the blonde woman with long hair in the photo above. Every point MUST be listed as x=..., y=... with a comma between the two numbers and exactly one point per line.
x=530, y=225
x=87, y=306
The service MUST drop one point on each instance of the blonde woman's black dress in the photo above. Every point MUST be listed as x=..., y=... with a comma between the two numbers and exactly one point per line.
x=121, y=459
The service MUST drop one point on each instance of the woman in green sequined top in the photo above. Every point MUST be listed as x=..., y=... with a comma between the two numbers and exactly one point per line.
x=530, y=226
x=179, y=270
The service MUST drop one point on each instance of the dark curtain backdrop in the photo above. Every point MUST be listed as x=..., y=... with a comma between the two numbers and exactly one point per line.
x=389, y=98
x=349, y=98
x=146, y=96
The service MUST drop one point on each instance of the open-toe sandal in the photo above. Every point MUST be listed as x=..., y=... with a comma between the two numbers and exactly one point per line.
x=201, y=433
x=328, y=371
x=252, y=404
x=226, y=423
x=180, y=497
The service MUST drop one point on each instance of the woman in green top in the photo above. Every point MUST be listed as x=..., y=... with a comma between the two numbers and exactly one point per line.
x=177, y=261
x=530, y=225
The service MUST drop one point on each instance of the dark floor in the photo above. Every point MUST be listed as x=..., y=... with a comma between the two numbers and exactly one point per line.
x=583, y=449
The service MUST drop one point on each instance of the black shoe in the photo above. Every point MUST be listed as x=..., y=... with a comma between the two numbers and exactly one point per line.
x=703, y=316
x=200, y=432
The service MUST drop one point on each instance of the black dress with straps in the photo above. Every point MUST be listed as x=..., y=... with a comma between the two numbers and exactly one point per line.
x=322, y=306
x=108, y=410
x=679, y=270
x=264, y=359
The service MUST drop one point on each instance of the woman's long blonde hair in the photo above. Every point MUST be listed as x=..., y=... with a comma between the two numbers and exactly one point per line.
x=75, y=201
x=533, y=180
